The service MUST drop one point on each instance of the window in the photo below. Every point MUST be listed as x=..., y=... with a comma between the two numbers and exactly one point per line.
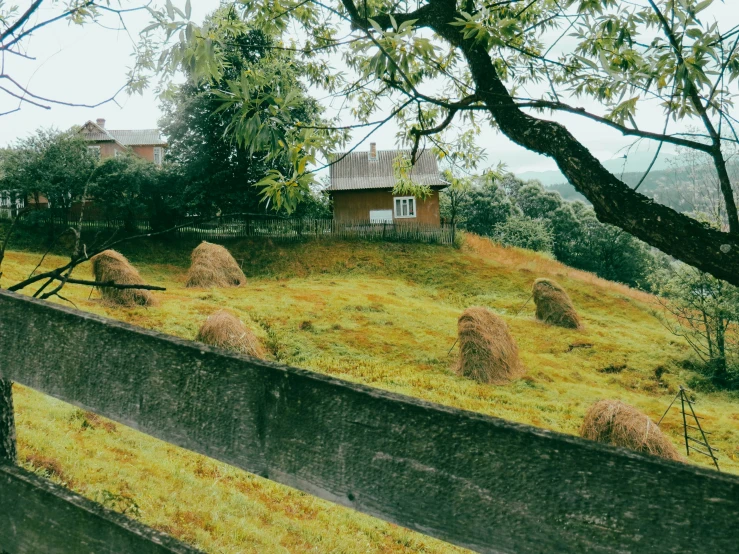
x=405, y=206
x=94, y=150
x=158, y=155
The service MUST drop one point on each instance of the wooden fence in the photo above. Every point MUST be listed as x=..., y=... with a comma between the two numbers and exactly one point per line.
x=234, y=227
x=473, y=480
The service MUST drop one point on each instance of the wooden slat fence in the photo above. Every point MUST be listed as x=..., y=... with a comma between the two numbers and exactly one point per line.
x=234, y=227
x=473, y=480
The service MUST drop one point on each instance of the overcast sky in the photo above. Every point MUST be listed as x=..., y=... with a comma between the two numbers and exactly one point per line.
x=88, y=64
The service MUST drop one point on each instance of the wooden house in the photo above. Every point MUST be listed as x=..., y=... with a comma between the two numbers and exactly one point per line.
x=362, y=188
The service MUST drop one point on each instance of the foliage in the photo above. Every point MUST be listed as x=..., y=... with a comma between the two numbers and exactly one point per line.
x=705, y=311
x=123, y=187
x=219, y=167
x=49, y=164
x=570, y=230
x=243, y=118
x=477, y=205
x=524, y=232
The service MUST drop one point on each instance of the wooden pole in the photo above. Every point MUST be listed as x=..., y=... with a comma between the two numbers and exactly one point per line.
x=8, y=450
x=685, y=423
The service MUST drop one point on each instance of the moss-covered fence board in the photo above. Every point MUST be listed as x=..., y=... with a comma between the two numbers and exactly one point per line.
x=477, y=481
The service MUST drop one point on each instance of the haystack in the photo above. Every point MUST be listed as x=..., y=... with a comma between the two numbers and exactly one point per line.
x=616, y=423
x=553, y=305
x=487, y=351
x=227, y=331
x=113, y=266
x=213, y=266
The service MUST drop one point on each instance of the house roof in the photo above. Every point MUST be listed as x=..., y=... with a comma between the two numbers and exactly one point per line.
x=355, y=171
x=143, y=137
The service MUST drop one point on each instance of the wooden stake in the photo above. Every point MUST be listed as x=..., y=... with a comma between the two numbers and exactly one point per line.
x=8, y=450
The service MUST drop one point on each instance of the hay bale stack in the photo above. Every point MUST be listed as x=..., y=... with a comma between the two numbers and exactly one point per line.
x=616, y=423
x=487, y=351
x=213, y=266
x=113, y=266
x=227, y=331
x=553, y=305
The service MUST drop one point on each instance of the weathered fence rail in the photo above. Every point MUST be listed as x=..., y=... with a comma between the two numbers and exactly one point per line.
x=473, y=480
x=233, y=227
x=40, y=517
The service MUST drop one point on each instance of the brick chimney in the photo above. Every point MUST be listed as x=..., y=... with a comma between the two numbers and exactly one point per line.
x=100, y=122
x=373, y=151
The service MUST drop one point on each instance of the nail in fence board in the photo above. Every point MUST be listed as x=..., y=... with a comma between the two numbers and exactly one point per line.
x=38, y=516
x=477, y=481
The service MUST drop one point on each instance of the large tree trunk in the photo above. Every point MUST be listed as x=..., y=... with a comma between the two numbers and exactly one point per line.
x=8, y=452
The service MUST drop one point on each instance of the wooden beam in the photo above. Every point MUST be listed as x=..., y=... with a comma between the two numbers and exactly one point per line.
x=477, y=481
x=39, y=516
x=8, y=452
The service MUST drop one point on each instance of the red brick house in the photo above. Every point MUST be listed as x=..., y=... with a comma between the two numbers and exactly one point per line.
x=362, y=188
x=146, y=143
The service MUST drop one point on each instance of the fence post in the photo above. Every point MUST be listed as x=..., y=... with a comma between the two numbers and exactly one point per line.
x=8, y=452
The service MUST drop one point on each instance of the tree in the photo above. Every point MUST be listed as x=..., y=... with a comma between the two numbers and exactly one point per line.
x=524, y=232
x=704, y=310
x=125, y=187
x=486, y=206
x=218, y=174
x=436, y=63
x=50, y=164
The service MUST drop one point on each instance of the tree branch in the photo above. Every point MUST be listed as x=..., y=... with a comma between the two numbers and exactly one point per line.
x=560, y=106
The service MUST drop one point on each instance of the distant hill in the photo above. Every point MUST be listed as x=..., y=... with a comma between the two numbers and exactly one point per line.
x=636, y=162
x=681, y=189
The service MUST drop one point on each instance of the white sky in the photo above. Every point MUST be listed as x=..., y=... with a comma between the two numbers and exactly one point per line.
x=88, y=64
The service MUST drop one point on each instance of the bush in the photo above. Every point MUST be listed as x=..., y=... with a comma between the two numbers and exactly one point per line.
x=524, y=232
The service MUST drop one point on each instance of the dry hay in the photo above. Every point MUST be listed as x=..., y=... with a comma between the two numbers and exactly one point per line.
x=487, y=351
x=213, y=266
x=553, y=305
x=113, y=266
x=227, y=331
x=616, y=423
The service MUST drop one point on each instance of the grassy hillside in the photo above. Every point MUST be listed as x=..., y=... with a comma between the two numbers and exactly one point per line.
x=379, y=314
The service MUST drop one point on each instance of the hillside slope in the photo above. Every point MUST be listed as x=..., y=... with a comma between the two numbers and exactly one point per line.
x=380, y=314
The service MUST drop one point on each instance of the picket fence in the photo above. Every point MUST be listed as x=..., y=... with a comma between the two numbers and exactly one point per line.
x=235, y=227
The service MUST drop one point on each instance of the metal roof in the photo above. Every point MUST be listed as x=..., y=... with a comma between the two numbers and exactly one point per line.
x=139, y=137
x=355, y=171
x=144, y=137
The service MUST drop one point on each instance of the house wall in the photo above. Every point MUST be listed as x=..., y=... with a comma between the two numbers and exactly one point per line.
x=146, y=152
x=108, y=149
x=354, y=205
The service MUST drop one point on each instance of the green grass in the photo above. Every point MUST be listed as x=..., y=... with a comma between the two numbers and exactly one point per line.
x=380, y=314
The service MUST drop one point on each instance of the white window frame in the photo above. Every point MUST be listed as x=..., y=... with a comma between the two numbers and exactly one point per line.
x=158, y=155
x=95, y=150
x=405, y=204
